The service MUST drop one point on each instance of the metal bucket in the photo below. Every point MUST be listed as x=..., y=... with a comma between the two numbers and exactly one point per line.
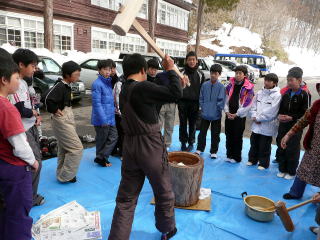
x=259, y=208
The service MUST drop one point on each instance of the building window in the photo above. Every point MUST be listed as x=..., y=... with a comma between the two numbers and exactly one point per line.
x=62, y=37
x=10, y=30
x=175, y=49
x=28, y=31
x=171, y=15
x=104, y=40
x=30, y=39
x=114, y=5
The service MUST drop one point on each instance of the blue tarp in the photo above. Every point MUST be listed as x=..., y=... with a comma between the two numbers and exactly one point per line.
x=96, y=189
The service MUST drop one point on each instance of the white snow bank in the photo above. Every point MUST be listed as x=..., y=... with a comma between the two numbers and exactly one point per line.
x=238, y=37
x=308, y=60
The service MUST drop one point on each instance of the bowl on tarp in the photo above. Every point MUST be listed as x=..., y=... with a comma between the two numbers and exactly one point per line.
x=259, y=208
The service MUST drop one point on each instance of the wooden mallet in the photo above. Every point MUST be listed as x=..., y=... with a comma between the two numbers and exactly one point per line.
x=127, y=18
x=283, y=213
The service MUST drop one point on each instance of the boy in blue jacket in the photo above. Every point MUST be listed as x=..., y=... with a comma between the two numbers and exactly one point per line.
x=212, y=99
x=103, y=113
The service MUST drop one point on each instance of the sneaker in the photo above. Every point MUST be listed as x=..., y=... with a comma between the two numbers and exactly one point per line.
x=281, y=174
x=289, y=177
x=288, y=196
x=261, y=168
x=230, y=160
x=249, y=164
x=73, y=180
x=198, y=152
x=38, y=201
x=183, y=147
x=213, y=156
x=314, y=230
x=166, y=236
x=189, y=148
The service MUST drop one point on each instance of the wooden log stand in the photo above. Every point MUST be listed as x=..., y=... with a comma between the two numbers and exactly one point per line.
x=186, y=180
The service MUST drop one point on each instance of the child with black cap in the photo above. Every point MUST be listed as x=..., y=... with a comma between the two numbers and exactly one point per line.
x=264, y=113
x=293, y=106
x=58, y=103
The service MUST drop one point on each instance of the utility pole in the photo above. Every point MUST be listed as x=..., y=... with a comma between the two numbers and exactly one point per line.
x=48, y=24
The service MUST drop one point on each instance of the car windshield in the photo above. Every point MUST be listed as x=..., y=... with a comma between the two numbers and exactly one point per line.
x=209, y=62
x=119, y=68
x=48, y=65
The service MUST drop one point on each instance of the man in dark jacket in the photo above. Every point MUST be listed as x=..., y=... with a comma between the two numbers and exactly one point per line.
x=188, y=105
x=144, y=153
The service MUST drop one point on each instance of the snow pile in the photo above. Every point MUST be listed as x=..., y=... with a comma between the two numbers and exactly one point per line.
x=308, y=60
x=73, y=55
x=237, y=37
x=227, y=36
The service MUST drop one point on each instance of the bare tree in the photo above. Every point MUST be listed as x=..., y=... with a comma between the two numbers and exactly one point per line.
x=211, y=6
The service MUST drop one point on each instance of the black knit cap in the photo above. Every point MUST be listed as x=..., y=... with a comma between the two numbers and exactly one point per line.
x=69, y=67
x=295, y=72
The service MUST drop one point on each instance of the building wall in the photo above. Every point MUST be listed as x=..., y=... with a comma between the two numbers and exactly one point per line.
x=84, y=15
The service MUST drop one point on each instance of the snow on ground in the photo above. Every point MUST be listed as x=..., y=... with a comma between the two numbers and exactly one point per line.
x=238, y=37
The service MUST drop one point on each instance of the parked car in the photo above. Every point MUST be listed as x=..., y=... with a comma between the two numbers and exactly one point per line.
x=146, y=56
x=204, y=66
x=89, y=71
x=253, y=73
x=49, y=72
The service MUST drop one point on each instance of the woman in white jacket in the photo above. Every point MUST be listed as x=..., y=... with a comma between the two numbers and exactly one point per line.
x=264, y=113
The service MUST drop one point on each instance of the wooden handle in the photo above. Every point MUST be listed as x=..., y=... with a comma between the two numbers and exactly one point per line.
x=143, y=33
x=299, y=205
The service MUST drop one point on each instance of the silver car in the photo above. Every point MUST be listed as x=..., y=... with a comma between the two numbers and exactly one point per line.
x=89, y=71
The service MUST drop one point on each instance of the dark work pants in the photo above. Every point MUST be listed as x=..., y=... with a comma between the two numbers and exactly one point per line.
x=118, y=146
x=234, y=137
x=215, y=135
x=106, y=139
x=188, y=113
x=143, y=156
x=34, y=142
x=298, y=187
x=288, y=158
x=260, y=149
x=16, y=189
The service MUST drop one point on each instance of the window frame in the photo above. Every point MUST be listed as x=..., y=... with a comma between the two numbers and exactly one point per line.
x=38, y=29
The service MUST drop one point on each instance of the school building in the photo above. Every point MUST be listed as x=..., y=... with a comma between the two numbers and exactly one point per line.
x=85, y=25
